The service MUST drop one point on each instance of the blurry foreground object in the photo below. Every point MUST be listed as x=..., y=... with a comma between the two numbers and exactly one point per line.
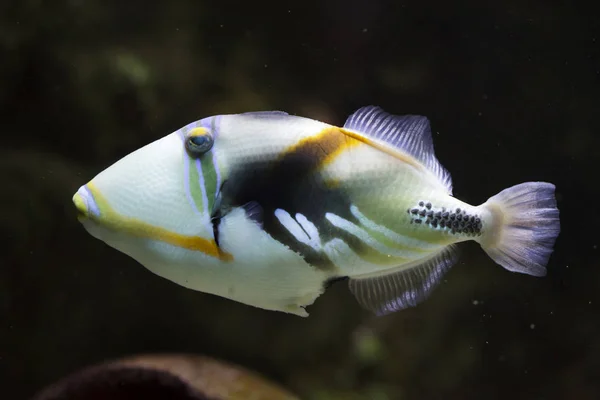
x=175, y=377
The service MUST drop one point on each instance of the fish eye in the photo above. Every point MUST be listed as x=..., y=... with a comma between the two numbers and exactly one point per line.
x=198, y=142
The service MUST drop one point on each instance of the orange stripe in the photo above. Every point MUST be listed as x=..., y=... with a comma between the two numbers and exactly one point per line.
x=383, y=147
x=348, y=143
x=133, y=226
x=318, y=146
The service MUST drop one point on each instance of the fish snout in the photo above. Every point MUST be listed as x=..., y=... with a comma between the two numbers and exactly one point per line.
x=84, y=203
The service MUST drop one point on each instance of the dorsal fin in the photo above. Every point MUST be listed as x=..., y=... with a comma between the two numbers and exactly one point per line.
x=266, y=114
x=410, y=134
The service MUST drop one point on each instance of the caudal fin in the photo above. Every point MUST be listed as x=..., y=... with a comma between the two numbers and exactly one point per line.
x=522, y=227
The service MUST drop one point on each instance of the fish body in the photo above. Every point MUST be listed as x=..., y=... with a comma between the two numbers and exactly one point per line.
x=267, y=208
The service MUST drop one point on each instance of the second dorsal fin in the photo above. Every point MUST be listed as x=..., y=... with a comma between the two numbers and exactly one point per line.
x=410, y=134
x=266, y=114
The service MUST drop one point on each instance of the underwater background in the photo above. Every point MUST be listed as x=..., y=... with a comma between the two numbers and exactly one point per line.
x=512, y=90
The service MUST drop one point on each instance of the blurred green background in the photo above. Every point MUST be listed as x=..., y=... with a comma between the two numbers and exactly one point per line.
x=512, y=90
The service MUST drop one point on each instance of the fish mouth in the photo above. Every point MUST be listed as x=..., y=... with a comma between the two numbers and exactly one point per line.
x=84, y=203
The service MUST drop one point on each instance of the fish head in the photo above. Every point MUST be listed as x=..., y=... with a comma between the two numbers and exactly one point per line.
x=155, y=203
x=161, y=205
x=169, y=190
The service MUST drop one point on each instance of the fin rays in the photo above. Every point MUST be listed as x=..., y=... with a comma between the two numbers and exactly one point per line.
x=386, y=293
x=408, y=133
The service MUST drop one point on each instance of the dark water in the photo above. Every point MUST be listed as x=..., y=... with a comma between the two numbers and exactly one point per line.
x=513, y=93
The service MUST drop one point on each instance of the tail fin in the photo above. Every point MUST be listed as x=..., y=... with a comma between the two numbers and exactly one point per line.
x=522, y=228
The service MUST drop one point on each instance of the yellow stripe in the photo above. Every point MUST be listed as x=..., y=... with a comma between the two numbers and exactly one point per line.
x=385, y=148
x=317, y=146
x=322, y=148
x=348, y=143
x=328, y=144
x=133, y=226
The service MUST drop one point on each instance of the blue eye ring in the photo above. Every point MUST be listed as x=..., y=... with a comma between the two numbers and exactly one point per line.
x=199, y=142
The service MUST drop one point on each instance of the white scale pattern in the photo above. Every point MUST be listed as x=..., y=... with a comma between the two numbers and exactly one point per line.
x=307, y=233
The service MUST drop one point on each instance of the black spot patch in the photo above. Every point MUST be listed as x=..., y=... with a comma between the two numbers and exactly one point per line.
x=456, y=221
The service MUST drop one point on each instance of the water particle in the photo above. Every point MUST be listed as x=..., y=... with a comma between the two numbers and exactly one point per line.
x=532, y=326
x=475, y=302
x=365, y=30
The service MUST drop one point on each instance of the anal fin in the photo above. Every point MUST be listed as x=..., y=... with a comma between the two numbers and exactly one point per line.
x=384, y=294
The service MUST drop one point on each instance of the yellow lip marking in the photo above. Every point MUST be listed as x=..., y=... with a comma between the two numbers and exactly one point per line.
x=113, y=220
x=81, y=206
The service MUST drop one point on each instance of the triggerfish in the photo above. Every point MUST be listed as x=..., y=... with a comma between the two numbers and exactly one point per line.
x=268, y=209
